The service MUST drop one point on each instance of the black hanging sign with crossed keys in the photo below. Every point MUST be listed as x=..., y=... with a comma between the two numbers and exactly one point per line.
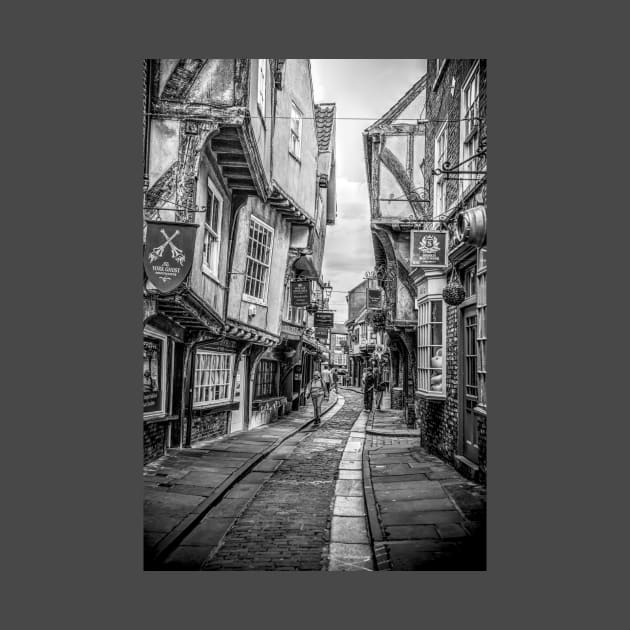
x=168, y=253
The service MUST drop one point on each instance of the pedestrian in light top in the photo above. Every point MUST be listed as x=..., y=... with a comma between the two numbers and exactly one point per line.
x=315, y=391
x=327, y=379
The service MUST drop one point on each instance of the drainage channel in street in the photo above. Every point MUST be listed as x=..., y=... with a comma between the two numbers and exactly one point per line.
x=350, y=547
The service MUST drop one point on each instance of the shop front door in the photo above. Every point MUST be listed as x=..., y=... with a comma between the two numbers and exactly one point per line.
x=236, y=420
x=469, y=383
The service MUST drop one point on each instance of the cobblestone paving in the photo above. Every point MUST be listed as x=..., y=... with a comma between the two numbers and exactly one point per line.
x=287, y=524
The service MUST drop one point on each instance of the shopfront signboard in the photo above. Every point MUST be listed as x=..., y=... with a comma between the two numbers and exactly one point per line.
x=321, y=334
x=374, y=298
x=168, y=253
x=324, y=319
x=300, y=293
x=429, y=248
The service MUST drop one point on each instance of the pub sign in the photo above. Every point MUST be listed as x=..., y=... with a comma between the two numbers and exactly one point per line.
x=321, y=334
x=324, y=319
x=374, y=298
x=168, y=253
x=300, y=293
x=428, y=248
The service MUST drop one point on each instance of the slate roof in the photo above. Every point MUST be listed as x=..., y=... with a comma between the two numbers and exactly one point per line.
x=324, y=125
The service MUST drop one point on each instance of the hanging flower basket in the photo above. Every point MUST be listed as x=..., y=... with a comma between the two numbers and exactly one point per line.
x=454, y=293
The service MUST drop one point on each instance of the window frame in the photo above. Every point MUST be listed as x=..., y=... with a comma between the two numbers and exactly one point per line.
x=162, y=339
x=272, y=382
x=261, y=97
x=424, y=345
x=300, y=118
x=209, y=232
x=469, y=132
x=247, y=296
x=439, y=181
x=227, y=371
x=482, y=328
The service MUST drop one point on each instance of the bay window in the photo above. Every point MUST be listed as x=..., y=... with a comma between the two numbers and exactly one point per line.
x=432, y=337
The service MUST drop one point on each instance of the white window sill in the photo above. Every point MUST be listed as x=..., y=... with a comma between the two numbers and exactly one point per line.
x=253, y=300
x=210, y=405
x=154, y=414
x=431, y=395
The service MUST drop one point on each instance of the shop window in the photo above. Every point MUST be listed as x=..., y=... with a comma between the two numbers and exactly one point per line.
x=482, y=334
x=154, y=375
x=469, y=130
x=212, y=230
x=439, y=185
x=213, y=378
x=431, y=343
x=259, y=249
x=470, y=281
x=265, y=380
x=295, y=137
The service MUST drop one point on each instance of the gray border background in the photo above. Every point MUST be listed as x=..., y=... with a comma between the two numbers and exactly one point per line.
x=75, y=431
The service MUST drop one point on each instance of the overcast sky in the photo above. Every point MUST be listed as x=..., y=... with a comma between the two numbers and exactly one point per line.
x=361, y=88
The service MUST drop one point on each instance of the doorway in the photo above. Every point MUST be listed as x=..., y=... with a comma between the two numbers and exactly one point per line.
x=237, y=415
x=469, y=386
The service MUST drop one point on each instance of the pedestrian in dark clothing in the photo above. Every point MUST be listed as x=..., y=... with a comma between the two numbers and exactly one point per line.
x=368, y=389
x=335, y=379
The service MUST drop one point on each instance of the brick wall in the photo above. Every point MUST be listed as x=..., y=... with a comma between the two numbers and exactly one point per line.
x=154, y=440
x=439, y=420
x=207, y=425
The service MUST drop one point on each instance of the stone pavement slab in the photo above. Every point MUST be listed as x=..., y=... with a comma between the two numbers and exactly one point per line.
x=426, y=514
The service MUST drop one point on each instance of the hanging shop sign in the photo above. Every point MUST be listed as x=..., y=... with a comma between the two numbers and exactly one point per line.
x=300, y=293
x=428, y=248
x=324, y=319
x=374, y=298
x=168, y=253
x=321, y=334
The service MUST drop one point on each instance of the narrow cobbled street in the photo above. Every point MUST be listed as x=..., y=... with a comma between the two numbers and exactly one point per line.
x=358, y=493
x=287, y=524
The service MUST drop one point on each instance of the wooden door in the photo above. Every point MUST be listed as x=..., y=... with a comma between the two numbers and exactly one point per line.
x=470, y=386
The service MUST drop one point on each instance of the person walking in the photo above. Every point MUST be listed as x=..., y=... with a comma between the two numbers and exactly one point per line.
x=327, y=379
x=335, y=379
x=368, y=389
x=315, y=391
